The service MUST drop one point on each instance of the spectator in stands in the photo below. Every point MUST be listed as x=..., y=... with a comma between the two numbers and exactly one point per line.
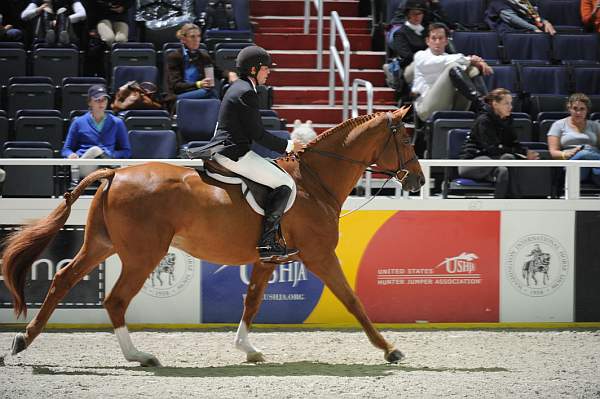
x=590, y=15
x=516, y=16
x=54, y=20
x=575, y=137
x=409, y=37
x=438, y=75
x=110, y=18
x=96, y=134
x=433, y=13
x=187, y=69
x=10, y=22
x=492, y=137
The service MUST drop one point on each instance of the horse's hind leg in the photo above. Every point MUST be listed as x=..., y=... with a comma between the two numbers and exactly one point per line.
x=254, y=296
x=137, y=263
x=328, y=269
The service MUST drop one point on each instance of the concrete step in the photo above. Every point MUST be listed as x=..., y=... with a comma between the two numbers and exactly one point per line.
x=320, y=95
x=320, y=114
x=345, y=8
x=273, y=22
x=308, y=59
x=315, y=77
x=300, y=41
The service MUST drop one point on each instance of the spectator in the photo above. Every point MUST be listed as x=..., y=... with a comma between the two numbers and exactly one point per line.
x=493, y=137
x=516, y=16
x=438, y=74
x=575, y=137
x=96, y=134
x=110, y=18
x=54, y=19
x=408, y=38
x=589, y=14
x=433, y=13
x=10, y=22
x=188, y=69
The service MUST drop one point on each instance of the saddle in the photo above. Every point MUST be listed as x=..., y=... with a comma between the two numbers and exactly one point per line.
x=254, y=193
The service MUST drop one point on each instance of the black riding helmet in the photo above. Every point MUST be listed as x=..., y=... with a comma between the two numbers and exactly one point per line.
x=252, y=56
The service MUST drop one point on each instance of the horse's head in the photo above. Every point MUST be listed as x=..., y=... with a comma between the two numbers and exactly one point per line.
x=398, y=154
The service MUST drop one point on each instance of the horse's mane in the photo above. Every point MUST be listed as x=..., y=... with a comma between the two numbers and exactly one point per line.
x=344, y=127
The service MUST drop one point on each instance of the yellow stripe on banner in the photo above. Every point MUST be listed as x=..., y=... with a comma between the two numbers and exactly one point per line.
x=356, y=231
x=321, y=326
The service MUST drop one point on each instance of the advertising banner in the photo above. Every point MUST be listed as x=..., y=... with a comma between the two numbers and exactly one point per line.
x=88, y=293
x=587, y=255
x=290, y=296
x=537, y=272
x=431, y=266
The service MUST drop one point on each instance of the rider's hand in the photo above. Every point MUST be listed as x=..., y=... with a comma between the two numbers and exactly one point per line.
x=298, y=147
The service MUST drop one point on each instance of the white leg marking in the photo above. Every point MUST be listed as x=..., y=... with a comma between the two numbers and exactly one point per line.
x=130, y=351
x=241, y=339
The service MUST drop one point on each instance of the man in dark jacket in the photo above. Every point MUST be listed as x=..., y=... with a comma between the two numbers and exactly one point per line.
x=239, y=126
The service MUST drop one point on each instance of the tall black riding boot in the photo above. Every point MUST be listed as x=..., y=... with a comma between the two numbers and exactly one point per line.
x=466, y=87
x=63, y=27
x=269, y=247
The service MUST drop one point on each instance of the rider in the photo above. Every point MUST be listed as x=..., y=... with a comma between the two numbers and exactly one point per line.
x=239, y=126
x=536, y=252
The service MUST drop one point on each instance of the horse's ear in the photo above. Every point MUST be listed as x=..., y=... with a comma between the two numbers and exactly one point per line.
x=402, y=111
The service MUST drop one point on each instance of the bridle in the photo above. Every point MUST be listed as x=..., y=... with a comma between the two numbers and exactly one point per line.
x=392, y=174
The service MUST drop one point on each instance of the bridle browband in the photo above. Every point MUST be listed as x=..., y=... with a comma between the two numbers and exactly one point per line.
x=393, y=129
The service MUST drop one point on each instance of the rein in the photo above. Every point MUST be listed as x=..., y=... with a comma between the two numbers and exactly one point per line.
x=393, y=129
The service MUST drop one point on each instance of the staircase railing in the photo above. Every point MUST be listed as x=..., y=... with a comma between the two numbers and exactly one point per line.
x=368, y=88
x=343, y=68
x=319, y=6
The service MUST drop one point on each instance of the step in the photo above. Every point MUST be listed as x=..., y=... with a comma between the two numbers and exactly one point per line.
x=320, y=113
x=300, y=41
x=345, y=8
x=321, y=127
x=272, y=21
x=320, y=95
x=315, y=77
x=308, y=59
x=293, y=29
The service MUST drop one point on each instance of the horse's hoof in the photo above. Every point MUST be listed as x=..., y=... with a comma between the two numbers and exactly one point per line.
x=151, y=362
x=2, y=361
x=255, y=357
x=394, y=356
x=19, y=343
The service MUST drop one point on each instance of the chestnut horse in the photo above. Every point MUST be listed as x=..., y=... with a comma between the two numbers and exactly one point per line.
x=139, y=211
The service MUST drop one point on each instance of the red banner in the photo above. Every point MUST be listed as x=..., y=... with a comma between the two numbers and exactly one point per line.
x=438, y=266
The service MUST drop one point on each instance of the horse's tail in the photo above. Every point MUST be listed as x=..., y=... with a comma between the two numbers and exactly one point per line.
x=26, y=245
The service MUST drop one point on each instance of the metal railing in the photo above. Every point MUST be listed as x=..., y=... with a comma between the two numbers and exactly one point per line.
x=369, y=93
x=319, y=6
x=343, y=67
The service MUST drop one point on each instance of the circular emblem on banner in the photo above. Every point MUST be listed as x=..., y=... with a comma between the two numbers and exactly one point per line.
x=171, y=276
x=537, y=265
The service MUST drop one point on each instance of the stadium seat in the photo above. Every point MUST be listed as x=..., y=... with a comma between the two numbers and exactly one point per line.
x=148, y=123
x=225, y=59
x=40, y=128
x=74, y=92
x=133, y=56
x=468, y=13
x=526, y=46
x=505, y=76
x=230, y=45
x=13, y=62
x=122, y=45
x=267, y=153
x=271, y=122
x=545, y=79
x=595, y=116
x=30, y=92
x=57, y=63
x=484, y=44
x=19, y=178
x=144, y=112
x=124, y=74
x=4, y=132
x=160, y=144
x=453, y=184
x=537, y=103
x=564, y=14
x=587, y=79
x=212, y=37
x=523, y=128
x=575, y=47
x=197, y=120
x=440, y=128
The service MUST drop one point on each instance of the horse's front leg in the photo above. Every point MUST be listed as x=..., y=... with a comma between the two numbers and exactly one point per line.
x=328, y=269
x=261, y=273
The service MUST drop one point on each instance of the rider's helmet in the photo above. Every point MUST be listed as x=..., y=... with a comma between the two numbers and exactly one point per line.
x=252, y=56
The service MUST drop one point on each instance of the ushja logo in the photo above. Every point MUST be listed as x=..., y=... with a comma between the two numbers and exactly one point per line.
x=463, y=263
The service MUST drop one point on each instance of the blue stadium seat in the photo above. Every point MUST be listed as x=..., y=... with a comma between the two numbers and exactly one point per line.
x=148, y=123
x=595, y=116
x=74, y=92
x=505, y=76
x=40, y=128
x=133, y=56
x=197, y=120
x=225, y=58
x=13, y=62
x=564, y=14
x=57, y=63
x=157, y=144
x=30, y=92
x=121, y=45
x=526, y=46
x=440, y=128
x=265, y=152
x=19, y=178
x=4, y=129
x=575, y=47
x=546, y=103
x=587, y=79
x=545, y=79
x=124, y=74
x=483, y=44
x=466, y=12
x=144, y=113
x=453, y=184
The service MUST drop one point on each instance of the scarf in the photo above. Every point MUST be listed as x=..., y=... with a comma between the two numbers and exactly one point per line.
x=524, y=7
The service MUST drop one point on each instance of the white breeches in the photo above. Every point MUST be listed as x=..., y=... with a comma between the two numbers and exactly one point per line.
x=256, y=168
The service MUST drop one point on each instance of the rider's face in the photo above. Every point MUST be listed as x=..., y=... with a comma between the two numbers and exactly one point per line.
x=262, y=75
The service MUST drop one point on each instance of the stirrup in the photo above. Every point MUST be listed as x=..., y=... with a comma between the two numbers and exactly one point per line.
x=273, y=255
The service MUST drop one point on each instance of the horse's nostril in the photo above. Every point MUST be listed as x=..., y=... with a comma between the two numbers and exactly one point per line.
x=421, y=180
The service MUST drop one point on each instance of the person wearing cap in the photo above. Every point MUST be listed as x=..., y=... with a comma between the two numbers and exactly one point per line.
x=409, y=37
x=239, y=126
x=186, y=68
x=96, y=134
